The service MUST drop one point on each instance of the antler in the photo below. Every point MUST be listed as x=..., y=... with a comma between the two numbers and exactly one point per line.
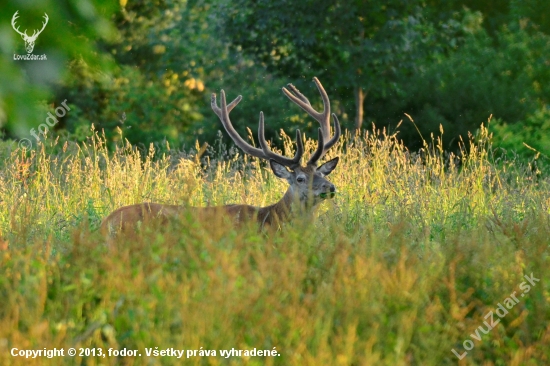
x=264, y=152
x=13, y=19
x=322, y=117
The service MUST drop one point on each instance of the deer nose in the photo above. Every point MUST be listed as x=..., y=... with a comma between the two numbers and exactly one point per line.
x=330, y=187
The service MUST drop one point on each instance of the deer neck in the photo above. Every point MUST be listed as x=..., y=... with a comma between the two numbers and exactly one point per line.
x=284, y=210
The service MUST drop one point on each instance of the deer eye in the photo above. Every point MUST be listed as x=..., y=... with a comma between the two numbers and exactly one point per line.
x=301, y=179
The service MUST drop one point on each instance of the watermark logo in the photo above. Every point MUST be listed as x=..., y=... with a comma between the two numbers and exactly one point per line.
x=501, y=311
x=29, y=40
x=43, y=128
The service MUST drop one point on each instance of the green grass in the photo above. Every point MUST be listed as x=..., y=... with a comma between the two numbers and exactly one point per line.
x=400, y=268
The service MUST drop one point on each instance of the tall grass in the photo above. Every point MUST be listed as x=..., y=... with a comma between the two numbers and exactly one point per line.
x=400, y=268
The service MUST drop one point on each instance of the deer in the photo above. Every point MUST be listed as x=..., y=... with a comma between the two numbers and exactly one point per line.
x=307, y=184
x=29, y=40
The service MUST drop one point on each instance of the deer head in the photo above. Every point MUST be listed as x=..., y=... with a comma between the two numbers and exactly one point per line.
x=307, y=182
x=29, y=40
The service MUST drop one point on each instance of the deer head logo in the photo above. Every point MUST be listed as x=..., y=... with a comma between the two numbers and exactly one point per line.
x=29, y=40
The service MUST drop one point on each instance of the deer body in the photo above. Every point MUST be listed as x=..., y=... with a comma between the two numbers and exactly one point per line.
x=127, y=217
x=307, y=184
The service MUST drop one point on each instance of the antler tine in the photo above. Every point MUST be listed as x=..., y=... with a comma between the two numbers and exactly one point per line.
x=318, y=154
x=337, y=133
x=264, y=152
x=291, y=163
x=230, y=106
x=223, y=115
x=296, y=93
x=322, y=117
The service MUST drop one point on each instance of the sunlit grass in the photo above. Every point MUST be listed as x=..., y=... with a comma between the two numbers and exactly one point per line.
x=400, y=268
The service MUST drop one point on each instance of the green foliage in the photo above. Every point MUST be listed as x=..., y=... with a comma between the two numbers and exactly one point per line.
x=364, y=48
x=507, y=77
x=25, y=85
x=144, y=71
x=496, y=13
x=166, y=72
x=127, y=103
x=536, y=11
x=376, y=40
x=158, y=83
x=528, y=139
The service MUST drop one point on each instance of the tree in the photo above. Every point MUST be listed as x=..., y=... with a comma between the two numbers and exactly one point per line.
x=158, y=83
x=506, y=75
x=72, y=32
x=360, y=47
x=496, y=13
x=169, y=58
x=537, y=11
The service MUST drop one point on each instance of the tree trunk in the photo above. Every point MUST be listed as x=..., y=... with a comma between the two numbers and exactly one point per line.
x=359, y=99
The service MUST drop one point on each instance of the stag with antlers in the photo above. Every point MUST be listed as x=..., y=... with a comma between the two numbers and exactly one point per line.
x=307, y=183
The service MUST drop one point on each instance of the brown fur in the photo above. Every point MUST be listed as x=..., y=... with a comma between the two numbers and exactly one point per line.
x=130, y=217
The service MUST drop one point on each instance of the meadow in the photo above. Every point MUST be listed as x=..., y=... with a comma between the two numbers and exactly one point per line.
x=414, y=254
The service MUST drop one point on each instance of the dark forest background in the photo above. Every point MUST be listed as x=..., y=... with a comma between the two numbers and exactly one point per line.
x=144, y=70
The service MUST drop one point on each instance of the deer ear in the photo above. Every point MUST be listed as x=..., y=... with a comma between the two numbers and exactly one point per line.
x=279, y=170
x=329, y=166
